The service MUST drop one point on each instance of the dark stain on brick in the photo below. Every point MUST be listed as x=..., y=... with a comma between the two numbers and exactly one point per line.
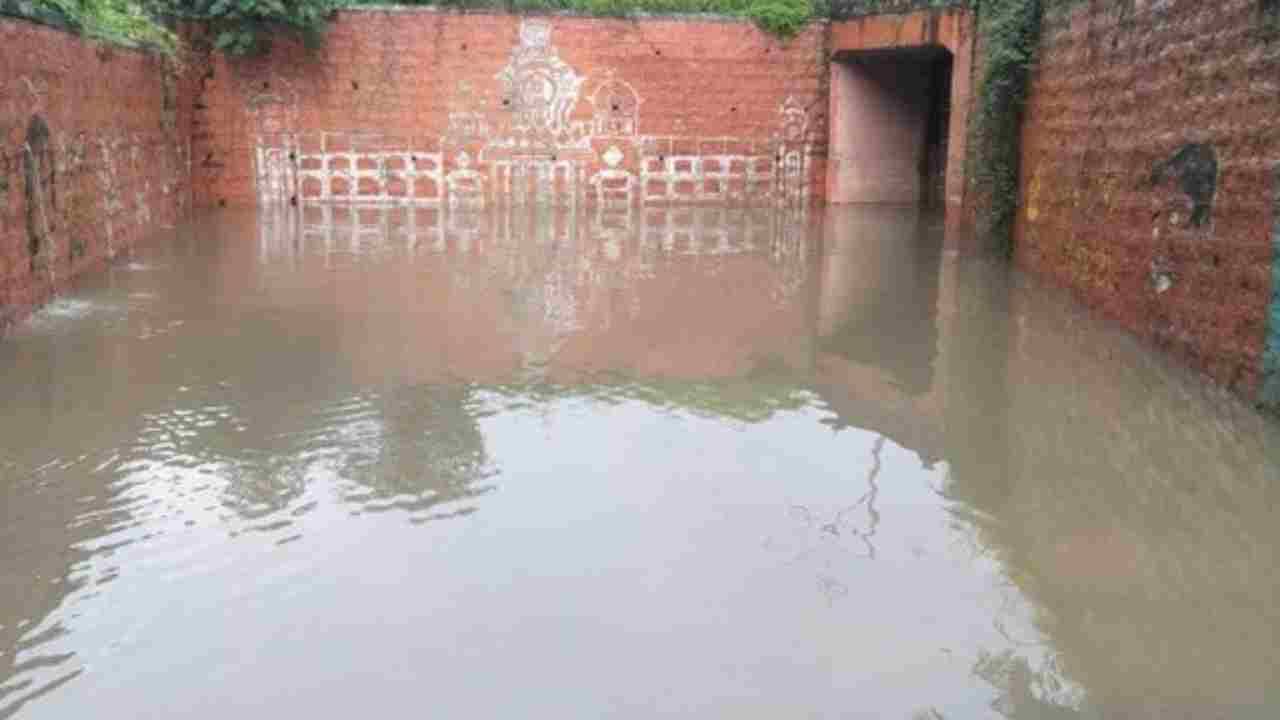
x=1195, y=166
x=38, y=174
x=169, y=101
x=1269, y=18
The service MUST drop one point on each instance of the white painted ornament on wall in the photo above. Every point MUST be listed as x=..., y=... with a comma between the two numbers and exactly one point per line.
x=534, y=153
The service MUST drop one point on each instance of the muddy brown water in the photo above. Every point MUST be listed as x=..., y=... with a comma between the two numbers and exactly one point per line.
x=706, y=463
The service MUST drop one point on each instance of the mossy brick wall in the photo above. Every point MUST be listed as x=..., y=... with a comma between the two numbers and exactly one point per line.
x=93, y=156
x=1149, y=156
x=399, y=103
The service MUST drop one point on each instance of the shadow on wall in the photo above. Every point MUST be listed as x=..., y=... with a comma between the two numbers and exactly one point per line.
x=39, y=176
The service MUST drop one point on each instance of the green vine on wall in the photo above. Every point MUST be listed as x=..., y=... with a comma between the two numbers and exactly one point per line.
x=1010, y=33
x=120, y=22
x=242, y=27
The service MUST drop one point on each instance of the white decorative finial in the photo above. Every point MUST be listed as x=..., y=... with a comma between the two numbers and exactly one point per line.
x=535, y=33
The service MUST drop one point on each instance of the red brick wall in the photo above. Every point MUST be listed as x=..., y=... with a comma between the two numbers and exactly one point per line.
x=412, y=105
x=1149, y=150
x=93, y=157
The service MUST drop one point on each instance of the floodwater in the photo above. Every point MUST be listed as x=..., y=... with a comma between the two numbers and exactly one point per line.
x=696, y=463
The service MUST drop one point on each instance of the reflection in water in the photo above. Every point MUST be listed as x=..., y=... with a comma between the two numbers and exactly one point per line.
x=857, y=522
x=700, y=462
x=1137, y=512
x=885, y=288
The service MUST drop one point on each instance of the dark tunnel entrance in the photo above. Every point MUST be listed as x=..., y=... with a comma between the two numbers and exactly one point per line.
x=891, y=112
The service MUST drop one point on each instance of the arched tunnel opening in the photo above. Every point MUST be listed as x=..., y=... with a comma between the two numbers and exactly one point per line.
x=890, y=126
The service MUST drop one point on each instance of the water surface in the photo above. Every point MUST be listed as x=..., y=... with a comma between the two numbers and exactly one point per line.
x=693, y=463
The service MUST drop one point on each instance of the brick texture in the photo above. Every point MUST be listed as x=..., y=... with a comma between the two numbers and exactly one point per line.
x=93, y=157
x=1149, y=148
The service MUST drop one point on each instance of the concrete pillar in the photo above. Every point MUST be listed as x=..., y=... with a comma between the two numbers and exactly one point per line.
x=958, y=139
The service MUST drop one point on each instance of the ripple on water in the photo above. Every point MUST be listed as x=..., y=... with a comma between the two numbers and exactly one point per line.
x=61, y=313
x=782, y=510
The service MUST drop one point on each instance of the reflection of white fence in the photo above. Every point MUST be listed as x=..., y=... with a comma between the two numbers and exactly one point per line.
x=650, y=231
x=563, y=257
x=706, y=231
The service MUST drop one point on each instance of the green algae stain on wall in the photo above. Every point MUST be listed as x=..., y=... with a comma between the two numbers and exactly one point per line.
x=1271, y=361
